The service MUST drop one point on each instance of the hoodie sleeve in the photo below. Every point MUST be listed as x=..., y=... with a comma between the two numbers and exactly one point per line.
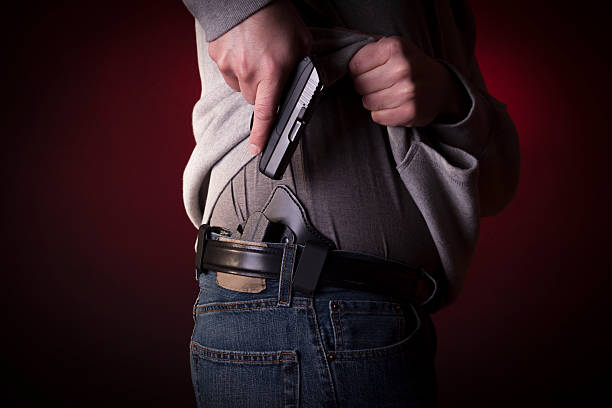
x=487, y=132
x=217, y=17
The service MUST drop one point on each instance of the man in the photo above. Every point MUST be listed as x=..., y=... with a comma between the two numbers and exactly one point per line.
x=406, y=151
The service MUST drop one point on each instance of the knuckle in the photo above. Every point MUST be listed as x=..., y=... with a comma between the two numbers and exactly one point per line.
x=406, y=90
x=224, y=66
x=269, y=66
x=243, y=68
x=393, y=45
x=402, y=71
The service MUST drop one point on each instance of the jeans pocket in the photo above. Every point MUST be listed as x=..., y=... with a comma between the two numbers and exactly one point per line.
x=368, y=324
x=384, y=355
x=257, y=379
x=244, y=352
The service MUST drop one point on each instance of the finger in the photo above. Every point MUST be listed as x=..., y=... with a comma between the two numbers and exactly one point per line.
x=367, y=58
x=382, y=77
x=389, y=98
x=403, y=115
x=266, y=99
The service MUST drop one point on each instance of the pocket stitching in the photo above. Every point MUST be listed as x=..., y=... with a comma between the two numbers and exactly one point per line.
x=337, y=322
x=336, y=309
x=264, y=357
x=248, y=304
x=377, y=352
x=341, y=327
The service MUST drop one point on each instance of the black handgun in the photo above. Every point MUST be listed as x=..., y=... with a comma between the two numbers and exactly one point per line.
x=303, y=88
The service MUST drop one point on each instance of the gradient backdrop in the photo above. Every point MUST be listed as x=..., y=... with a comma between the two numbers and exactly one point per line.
x=97, y=250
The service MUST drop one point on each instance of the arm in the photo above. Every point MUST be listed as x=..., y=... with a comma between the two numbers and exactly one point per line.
x=256, y=54
x=402, y=86
x=488, y=133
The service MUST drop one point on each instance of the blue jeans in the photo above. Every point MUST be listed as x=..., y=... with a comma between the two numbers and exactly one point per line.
x=281, y=348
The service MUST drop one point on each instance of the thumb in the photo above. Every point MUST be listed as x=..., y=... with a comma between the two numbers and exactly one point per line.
x=266, y=100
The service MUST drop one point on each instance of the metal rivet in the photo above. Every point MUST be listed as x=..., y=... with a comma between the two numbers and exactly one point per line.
x=334, y=306
x=331, y=356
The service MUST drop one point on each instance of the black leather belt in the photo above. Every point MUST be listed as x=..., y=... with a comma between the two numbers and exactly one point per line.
x=317, y=265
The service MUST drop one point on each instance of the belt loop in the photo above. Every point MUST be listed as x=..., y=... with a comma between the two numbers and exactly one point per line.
x=286, y=275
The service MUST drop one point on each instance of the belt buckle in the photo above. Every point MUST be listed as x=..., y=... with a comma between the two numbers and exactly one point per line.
x=203, y=235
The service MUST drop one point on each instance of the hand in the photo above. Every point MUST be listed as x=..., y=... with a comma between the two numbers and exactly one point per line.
x=402, y=86
x=256, y=57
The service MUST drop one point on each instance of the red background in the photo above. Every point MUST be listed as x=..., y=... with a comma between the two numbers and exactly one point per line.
x=97, y=250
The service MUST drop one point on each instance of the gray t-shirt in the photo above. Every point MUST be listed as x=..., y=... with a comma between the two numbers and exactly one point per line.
x=344, y=174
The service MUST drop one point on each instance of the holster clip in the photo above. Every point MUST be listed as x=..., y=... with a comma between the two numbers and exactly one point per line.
x=203, y=235
x=310, y=267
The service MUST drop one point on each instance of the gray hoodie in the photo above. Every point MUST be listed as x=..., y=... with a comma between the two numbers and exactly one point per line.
x=455, y=173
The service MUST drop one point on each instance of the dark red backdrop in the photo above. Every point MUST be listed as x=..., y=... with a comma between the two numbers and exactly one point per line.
x=97, y=250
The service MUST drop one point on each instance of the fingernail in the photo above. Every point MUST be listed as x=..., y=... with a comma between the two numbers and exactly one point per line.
x=253, y=149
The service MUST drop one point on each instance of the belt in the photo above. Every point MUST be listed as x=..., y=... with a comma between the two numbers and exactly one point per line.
x=317, y=265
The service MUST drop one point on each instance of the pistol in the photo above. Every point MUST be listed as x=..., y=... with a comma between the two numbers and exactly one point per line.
x=300, y=95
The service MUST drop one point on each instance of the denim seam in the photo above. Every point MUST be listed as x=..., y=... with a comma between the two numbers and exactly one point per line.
x=193, y=360
x=341, y=327
x=331, y=385
x=254, y=362
x=197, y=378
x=282, y=373
x=265, y=356
x=243, y=308
x=296, y=387
x=332, y=317
x=238, y=302
x=250, y=304
x=373, y=312
x=399, y=329
x=299, y=300
x=294, y=253
x=379, y=303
